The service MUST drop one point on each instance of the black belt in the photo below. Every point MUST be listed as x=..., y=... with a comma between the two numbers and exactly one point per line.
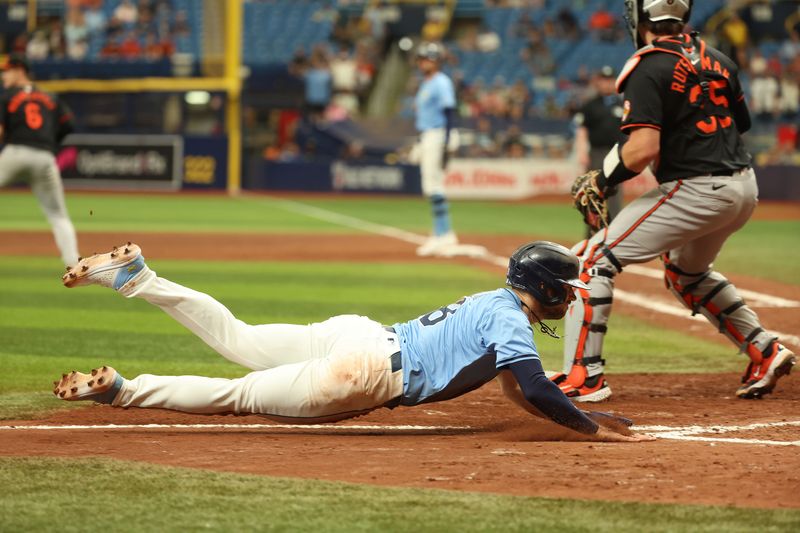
x=397, y=358
x=718, y=173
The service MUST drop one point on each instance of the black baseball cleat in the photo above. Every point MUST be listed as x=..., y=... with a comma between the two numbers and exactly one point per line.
x=760, y=379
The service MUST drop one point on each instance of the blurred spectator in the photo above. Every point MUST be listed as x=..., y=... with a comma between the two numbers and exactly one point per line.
x=317, y=86
x=344, y=80
x=95, y=18
x=75, y=30
x=77, y=50
x=56, y=38
x=484, y=144
x=126, y=12
x=790, y=97
x=736, y=35
x=181, y=27
x=153, y=50
x=130, y=47
x=790, y=49
x=298, y=63
x=38, y=47
x=567, y=24
x=764, y=90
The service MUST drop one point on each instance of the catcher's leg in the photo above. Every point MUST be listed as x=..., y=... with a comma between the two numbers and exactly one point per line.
x=688, y=275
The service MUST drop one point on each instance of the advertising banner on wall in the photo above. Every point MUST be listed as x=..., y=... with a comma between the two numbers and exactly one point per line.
x=506, y=179
x=122, y=161
x=516, y=179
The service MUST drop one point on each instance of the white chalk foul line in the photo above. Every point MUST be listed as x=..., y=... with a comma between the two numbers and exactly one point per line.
x=690, y=433
x=755, y=298
x=629, y=297
x=686, y=433
x=327, y=427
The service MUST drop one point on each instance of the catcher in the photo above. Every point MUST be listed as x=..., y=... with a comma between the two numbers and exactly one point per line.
x=684, y=114
x=349, y=365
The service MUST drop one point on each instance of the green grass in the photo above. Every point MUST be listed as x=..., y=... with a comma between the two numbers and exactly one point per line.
x=46, y=329
x=66, y=494
x=753, y=251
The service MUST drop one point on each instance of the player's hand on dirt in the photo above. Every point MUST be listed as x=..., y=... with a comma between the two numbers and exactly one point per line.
x=617, y=423
x=590, y=200
x=605, y=434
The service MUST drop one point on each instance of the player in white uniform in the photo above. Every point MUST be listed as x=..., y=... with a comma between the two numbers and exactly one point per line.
x=349, y=365
x=33, y=123
x=434, y=105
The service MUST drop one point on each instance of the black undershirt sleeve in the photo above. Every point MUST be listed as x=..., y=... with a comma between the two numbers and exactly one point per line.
x=548, y=398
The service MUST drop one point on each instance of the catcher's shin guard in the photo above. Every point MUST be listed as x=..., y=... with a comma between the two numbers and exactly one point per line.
x=712, y=295
x=586, y=322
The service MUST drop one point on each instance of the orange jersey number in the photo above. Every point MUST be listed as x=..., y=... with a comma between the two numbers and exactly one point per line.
x=716, y=106
x=33, y=115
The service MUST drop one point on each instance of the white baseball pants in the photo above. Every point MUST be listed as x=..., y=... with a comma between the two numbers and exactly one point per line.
x=38, y=167
x=321, y=372
x=431, y=151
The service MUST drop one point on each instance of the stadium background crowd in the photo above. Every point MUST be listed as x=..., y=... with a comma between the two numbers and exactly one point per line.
x=521, y=68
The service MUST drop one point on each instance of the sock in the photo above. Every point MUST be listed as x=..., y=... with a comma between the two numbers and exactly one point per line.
x=441, y=215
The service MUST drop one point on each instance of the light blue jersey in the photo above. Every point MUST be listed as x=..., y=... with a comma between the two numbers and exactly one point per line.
x=433, y=97
x=458, y=348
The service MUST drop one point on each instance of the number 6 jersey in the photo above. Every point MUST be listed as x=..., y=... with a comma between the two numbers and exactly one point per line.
x=691, y=93
x=34, y=118
x=458, y=348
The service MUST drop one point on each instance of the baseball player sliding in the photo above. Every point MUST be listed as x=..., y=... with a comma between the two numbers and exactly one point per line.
x=34, y=123
x=349, y=365
x=684, y=112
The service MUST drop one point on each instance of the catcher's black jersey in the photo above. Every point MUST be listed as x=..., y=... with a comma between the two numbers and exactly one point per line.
x=691, y=93
x=34, y=118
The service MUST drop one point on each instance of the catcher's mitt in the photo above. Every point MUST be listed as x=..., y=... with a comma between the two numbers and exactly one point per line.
x=590, y=200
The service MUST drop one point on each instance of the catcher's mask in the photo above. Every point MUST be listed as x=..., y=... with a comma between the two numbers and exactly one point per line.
x=543, y=269
x=654, y=10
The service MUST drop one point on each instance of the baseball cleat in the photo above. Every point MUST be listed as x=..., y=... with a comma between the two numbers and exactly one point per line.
x=591, y=389
x=114, y=270
x=760, y=379
x=102, y=385
x=437, y=244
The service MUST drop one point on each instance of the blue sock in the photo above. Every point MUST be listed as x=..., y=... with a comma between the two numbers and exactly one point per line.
x=441, y=215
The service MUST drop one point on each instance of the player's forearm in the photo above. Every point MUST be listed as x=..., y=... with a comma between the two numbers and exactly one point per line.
x=512, y=391
x=629, y=160
x=548, y=398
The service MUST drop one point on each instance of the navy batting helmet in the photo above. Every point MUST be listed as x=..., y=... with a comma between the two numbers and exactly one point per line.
x=542, y=268
x=432, y=51
x=654, y=10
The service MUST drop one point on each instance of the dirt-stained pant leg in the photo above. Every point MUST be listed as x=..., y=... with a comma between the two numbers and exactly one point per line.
x=692, y=218
x=354, y=378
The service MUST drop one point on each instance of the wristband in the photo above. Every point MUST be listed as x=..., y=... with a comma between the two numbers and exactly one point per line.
x=614, y=170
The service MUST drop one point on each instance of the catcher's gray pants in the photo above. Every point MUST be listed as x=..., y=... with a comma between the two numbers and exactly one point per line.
x=321, y=372
x=685, y=222
x=38, y=167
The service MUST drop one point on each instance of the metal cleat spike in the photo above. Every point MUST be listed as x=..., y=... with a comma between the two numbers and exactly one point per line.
x=91, y=383
x=94, y=371
x=72, y=275
x=129, y=243
x=73, y=390
x=113, y=254
x=84, y=268
x=63, y=376
x=127, y=251
x=62, y=393
x=100, y=380
x=105, y=368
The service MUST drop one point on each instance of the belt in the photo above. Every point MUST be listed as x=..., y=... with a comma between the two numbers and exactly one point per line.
x=397, y=358
x=728, y=172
